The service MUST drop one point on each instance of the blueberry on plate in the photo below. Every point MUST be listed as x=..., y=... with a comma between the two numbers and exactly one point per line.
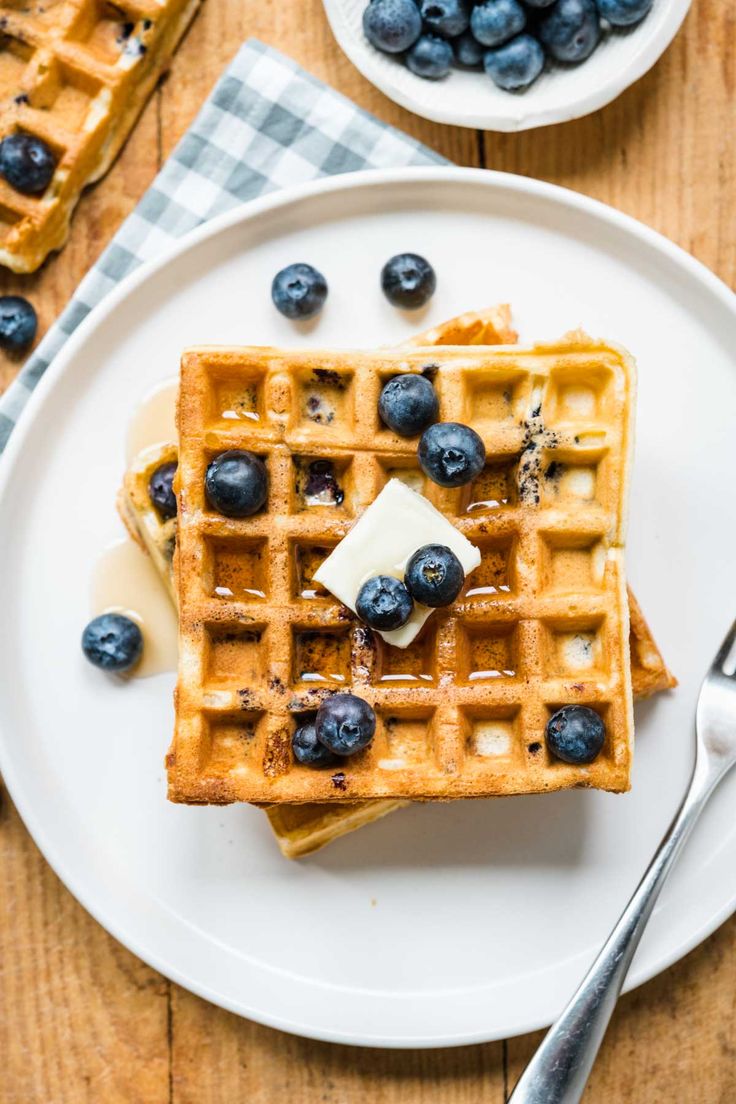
x=468, y=51
x=408, y=404
x=496, y=21
x=516, y=64
x=112, y=642
x=451, y=454
x=624, y=13
x=18, y=323
x=299, y=291
x=570, y=31
x=161, y=489
x=26, y=162
x=392, y=25
x=236, y=483
x=345, y=724
x=434, y=576
x=575, y=734
x=384, y=603
x=308, y=750
x=408, y=281
x=430, y=57
x=448, y=18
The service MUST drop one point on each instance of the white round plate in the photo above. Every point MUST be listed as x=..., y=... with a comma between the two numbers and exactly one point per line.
x=441, y=924
x=471, y=99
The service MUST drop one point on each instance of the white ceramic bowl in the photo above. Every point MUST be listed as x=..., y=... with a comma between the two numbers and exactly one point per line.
x=470, y=99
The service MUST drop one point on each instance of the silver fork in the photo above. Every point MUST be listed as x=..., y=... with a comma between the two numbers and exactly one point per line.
x=559, y=1071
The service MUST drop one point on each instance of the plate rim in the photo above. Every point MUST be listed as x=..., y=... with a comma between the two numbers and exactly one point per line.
x=360, y=55
x=76, y=882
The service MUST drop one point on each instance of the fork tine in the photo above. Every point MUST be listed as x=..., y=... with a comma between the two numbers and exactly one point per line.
x=726, y=651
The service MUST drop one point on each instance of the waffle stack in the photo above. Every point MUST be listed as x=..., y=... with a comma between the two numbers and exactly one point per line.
x=301, y=829
x=75, y=73
x=543, y=621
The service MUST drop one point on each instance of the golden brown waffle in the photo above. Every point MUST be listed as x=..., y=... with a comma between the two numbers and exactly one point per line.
x=260, y=648
x=75, y=73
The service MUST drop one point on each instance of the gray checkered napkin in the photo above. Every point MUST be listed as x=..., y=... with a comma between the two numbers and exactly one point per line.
x=267, y=124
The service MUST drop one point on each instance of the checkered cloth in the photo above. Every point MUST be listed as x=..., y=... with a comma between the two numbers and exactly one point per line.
x=267, y=124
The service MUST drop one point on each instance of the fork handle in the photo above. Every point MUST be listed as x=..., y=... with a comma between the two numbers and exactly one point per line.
x=559, y=1071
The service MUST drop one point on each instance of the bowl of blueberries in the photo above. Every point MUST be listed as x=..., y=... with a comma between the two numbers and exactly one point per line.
x=504, y=64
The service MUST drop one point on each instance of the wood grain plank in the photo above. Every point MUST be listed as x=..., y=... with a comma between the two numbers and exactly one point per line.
x=82, y=1021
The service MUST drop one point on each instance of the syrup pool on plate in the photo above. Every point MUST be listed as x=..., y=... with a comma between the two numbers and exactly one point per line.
x=154, y=420
x=125, y=581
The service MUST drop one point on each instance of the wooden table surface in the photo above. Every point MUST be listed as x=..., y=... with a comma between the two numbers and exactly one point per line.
x=81, y=1019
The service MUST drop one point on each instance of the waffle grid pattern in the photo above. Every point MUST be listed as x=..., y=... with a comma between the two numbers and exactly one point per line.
x=462, y=712
x=75, y=73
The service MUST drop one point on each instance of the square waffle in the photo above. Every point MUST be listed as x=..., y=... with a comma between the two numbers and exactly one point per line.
x=543, y=622
x=75, y=73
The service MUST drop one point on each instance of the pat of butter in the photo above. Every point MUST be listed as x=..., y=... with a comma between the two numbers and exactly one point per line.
x=381, y=542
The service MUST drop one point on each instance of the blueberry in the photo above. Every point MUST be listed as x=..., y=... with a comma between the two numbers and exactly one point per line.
x=345, y=724
x=308, y=750
x=571, y=30
x=392, y=25
x=236, y=483
x=26, y=162
x=18, y=323
x=624, y=13
x=408, y=281
x=516, y=64
x=408, y=404
x=575, y=734
x=434, y=576
x=299, y=291
x=539, y=3
x=448, y=18
x=451, y=454
x=384, y=603
x=468, y=51
x=112, y=642
x=161, y=489
x=497, y=21
x=430, y=57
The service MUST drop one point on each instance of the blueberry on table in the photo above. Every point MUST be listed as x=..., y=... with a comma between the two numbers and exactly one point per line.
x=571, y=30
x=384, y=603
x=468, y=51
x=161, y=489
x=451, y=454
x=516, y=64
x=434, y=576
x=18, y=323
x=448, y=18
x=299, y=291
x=345, y=724
x=496, y=21
x=624, y=13
x=26, y=162
x=408, y=281
x=113, y=642
x=430, y=57
x=236, y=483
x=576, y=734
x=308, y=750
x=408, y=404
x=392, y=25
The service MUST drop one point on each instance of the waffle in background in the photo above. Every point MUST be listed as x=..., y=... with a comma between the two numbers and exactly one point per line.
x=76, y=74
x=547, y=513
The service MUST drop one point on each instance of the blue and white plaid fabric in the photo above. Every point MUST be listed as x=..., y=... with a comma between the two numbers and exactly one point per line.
x=267, y=124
